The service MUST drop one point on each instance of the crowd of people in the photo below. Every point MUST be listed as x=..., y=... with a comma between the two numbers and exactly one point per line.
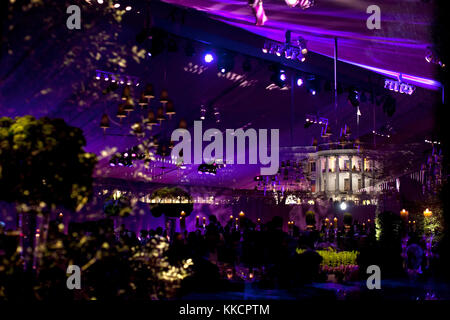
x=111, y=267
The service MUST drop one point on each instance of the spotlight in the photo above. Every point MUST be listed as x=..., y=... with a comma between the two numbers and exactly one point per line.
x=202, y=113
x=117, y=5
x=128, y=8
x=279, y=51
x=225, y=62
x=100, y=1
x=299, y=81
x=279, y=78
x=302, y=45
x=208, y=57
x=343, y=206
x=288, y=53
x=266, y=47
x=311, y=84
x=353, y=97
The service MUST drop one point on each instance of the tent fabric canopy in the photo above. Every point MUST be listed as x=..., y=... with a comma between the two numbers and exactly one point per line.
x=398, y=46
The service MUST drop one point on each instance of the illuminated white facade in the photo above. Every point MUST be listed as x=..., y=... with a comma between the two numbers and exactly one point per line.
x=343, y=173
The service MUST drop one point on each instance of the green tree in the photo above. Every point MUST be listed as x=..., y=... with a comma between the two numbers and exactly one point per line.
x=43, y=165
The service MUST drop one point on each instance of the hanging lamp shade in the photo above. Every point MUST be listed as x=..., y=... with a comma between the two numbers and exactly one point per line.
x=151, y=119
x=121, y=112
x=164, y=151
x=160, y=114
x=170, y=110
x=143, y=101
x=182, y=124
x=348, y=132
x=155, y=142
x=149, y=93
x=104, y=122
x=129, y=105
x=164, y=98
x=126, y=93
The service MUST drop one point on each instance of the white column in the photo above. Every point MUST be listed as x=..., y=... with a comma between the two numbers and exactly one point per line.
x=336, y=190
x=350, y=175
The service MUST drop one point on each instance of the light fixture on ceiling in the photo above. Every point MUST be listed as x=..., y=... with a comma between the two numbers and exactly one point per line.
x=104, y=122
x=126, y=93
x=151, y=119
x=164, y=97
x=170, y=109
x=107, y=76
x=312, y=84
x=202, y=113
x=149, y=93
x=299, y=81
x=279, y=78
x=143, y=101
x=399, y=86
x=160, y=114
x=432, y=57
x=208, y=57
x=121, y=112
x=225, y=62
x=289, y=50
x=354, y=97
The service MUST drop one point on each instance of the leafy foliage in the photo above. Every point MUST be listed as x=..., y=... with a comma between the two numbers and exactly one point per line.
x=171, y=201
x=119, y=207
x=43, y=160
x=333, y=258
